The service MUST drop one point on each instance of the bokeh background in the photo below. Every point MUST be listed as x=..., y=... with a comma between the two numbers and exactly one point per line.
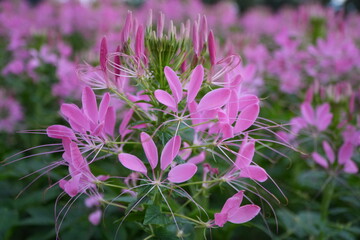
x=43, y=43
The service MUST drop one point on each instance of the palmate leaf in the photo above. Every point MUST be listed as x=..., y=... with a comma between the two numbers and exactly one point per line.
x=153, y=215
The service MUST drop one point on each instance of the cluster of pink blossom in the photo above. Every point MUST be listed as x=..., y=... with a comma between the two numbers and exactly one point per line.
x=178, y=96
x=10, y=112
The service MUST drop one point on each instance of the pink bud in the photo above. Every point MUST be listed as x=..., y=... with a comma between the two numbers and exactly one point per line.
x=212, y=48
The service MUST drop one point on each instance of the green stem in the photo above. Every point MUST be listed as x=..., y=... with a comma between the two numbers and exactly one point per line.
x=200, y=182
x=325, y=204
x=326, y=200
x=113, y=185
x=185, y=217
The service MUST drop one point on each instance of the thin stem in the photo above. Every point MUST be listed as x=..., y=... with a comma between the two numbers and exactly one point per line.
x=201, y=182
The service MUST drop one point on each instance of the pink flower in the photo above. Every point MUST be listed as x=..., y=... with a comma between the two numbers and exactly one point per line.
x=81, y=176
x=344, y=157
x=232, y=212
x=177, y=174
x=10, y=112
x=320, y=118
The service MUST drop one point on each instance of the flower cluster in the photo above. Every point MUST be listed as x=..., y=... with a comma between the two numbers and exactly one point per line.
x=177, y=97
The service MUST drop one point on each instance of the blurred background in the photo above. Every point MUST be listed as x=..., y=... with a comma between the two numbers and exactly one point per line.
x=43, y=42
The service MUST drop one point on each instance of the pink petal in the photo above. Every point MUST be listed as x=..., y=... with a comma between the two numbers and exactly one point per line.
x=244, y=213
x=73, y=113
x=212, y=48
x=195, y=116
x=182, y=172
x=125, y=122
x=320, y=160
x=166, y=99
x=232, y=107
x=196, y=79
x=233, y=202
x=214, y=99
x=77, y=161
x=220, y=219
x=98, y=131
x=103, y=54
x=345, y=153
x=139, y=42
x=95, y=217
x=227, y=131
x=350, y=167
x=174, y=83
x=117, y=63
x=197, y=159
x=104, y=104
x=169, y=152
x=324, y=122
x=60, y=132
x=329, y=152
x=185, y=153
x=132, y=162
x=247, y=100
x=150, y=149
x=89, y=104
x=195, y=38
x=308, y=113
x=247, y=117
x=72, y=186
x=255, y=173
x=110, y=119
x=245, y=155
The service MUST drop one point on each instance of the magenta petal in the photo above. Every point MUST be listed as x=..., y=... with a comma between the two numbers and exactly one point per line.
x=247, y=100
x=166, y=99
x=77, y=160
x=232, y=107
x=308, y=113
x=89, y=104
x=110, y=119
x=196, y=79
x=98, y=130
x=169, y=152
x=125, y=122
x=104, y=104
x=60, y=132
x=174, y=83
x=132, y=162
x=243, y=214
x=345, y=153
x=214, y=99
x=95, y=217
x=197, y=159
x=150, y=149
x=329, y=152
x=182, y=172
x=247, y=117
x=255, y=173
x=245, y=155
x=74, y=114
x=212, y=48
x=72, y=186
x=103, y=54
x=233, y=202
x=220, y=219
x=139, y=42
x=350, y=167
x=185, y=153
x=227, y=131
x=320, y=160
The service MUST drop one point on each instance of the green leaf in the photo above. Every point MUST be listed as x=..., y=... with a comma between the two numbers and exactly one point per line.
x=8, y=218
x=153, y=215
